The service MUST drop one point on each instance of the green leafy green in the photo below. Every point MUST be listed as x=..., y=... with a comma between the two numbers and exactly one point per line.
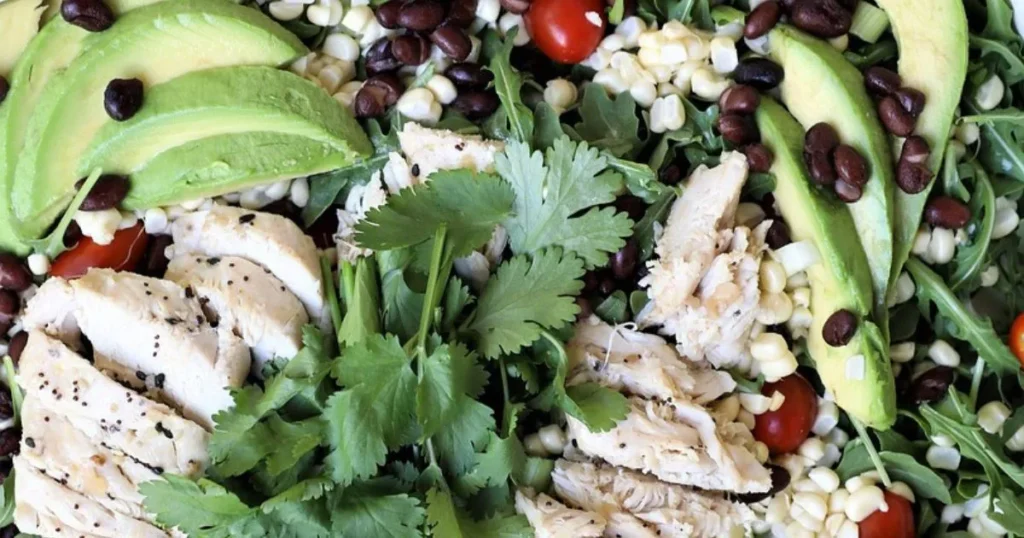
x=925, y=482
x=200, y=509
x=361, y=513
x=361, y=293
x=1001, y=149
x=613, y=309
x=609, y=124
x=508, y=84
x=599, y=408
x=971, y=259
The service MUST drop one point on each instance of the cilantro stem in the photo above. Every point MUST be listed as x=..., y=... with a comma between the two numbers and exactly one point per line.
x=332, y=295
x=507, y=398
x=431, y=295
x=862, y=432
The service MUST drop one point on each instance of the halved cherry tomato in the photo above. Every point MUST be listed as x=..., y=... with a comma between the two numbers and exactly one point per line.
x=123, y=253
x=1017, y=338
x=896, y=522
x=786, y=428
x=565, y=30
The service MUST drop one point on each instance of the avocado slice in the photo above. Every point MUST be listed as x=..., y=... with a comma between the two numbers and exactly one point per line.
x=820, y=85
x=858, y=374
x=155, y=43
x=932, y=37
x=164, y=147
x=19, y=23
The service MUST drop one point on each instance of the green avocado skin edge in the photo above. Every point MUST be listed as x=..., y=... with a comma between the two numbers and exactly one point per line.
x=858, y=374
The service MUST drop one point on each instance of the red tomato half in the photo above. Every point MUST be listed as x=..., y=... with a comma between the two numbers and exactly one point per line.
x=1017, y=338
x=564, y=30
x=897, y=522
x=123, y=253
x=786, y=428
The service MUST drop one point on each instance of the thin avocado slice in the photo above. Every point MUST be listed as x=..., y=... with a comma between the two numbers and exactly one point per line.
x=203, y=108
x=820, y=85
x=932, y=37
x=858, y=374
x=156, y=43
x=19, y=23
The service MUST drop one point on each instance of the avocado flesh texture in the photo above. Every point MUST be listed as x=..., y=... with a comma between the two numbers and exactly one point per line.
x=932, y=37
x=193, y=34
x=820, y=85
x=213, y=108
x=842, y=280
x=19, y=23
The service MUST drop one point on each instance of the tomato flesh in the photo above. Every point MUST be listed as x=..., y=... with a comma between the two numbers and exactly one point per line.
x=564, y=30
x=123, y=253
x=896, y=522
x=786, y=428
x=1017, y=338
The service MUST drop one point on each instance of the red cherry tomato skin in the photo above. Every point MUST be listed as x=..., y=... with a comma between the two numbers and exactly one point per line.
x=1017, y=338
x=123, y=253
x=562, y=31
x=786, y=428
x=896, y=522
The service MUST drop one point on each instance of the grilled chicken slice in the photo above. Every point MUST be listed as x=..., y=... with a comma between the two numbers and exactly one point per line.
x=108, y=414
x=552, y=519
x=47, y=508
x=649, y=505
x=677, y=442
x=110, y=478
x=247, y=299
x=271, y=241
x=429, y=150
x=153, y=329
x=642, y=364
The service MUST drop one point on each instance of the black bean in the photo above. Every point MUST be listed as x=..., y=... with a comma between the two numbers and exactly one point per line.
x=390, y=83
x=780, y=481
x=759, y=157
x=17, y=345
x=90, y=15
x=469, y=76
x=778, y=235
x=894, y=117
x=369, y=102
x=760, y=73
x=947, y=212
x=387, y=14
x=461, y=13
x=762, y=19
x=739, y=99
x=851, y=167
x=821, y=138
x=421, y=15
x=911, y=100
x=624, y=261
x=821, y=168
x=476, y=105
x=848, y=192
x=912, y=173
x=5, y=87
x=6, y=405
x=839, y=328
x=155, y=264
x=738, y=129
x=380, y=58
x=633, y=206
x=123, y=98
x=932, y=385
x=72, y=235
x=516, y=6
x=881, y=81
x=10, y=305
x=452, y=41
x=670, y=174
x=585, y=309
x=411, y=49
x=591, y=281
x=14, y=275
x=108, y=191
x=9, y=442
x=822, y=18
x=607, y=286
x=10, y=531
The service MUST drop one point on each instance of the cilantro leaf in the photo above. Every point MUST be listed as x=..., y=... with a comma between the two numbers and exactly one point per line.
x=445, y=520
x=524, y=298
x=360, y=513
x=609, y=124
x=547, y=197
x=361, y=291
x=200, y=509
x=596, y=406
x=356, y=438
x=471, y=204
x=494, y=466
x=508, y=84
x=469, y=429
x=443, y=385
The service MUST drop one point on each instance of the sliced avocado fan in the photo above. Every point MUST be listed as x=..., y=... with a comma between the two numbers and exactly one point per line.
x=155, y=44
x=858, y=374
x=932, y=37
x=820, y=85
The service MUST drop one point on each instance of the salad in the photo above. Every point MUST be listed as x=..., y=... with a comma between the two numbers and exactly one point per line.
x=511, y=268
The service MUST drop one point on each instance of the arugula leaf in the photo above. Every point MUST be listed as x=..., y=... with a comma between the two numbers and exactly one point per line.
x=617, y=12
x=698, y=11
x=53, y=244
x=971, y=259
x=547, y=197
x=1006, y=59
x=1000, y=21
x=655, y=215
x=925, y=482
x=524, y=298
x=200, y=509
x=508, y=84
x=1001, y=149
x=596, y=406
x=1008, y=509
x=613, y=309
x=471, y=204
x=968, y=326
x=609, y=124
x=361, y=513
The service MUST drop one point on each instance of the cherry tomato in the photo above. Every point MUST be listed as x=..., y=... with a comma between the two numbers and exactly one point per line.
x=786, y=428
x=123, y=253
x=897, y=522
x=563, y=29
x=1017, y=338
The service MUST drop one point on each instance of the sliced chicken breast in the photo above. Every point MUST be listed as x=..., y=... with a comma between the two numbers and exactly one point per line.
x=552, y=519
x=107, y=413
x=47, y=508
x=247, y=299
x=153, y=329
x=677, y=442
x=271, y=241
x=429, y=150
x=642, y=364
x=656, y=505
x=110, y=478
